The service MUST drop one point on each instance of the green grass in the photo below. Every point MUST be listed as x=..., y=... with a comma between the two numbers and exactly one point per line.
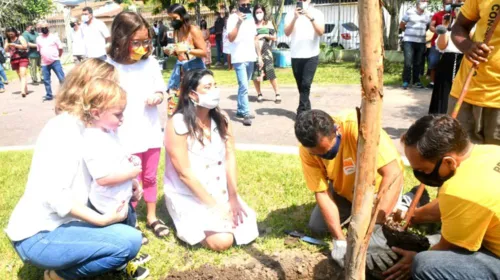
x=344, y=73
x=275, y=190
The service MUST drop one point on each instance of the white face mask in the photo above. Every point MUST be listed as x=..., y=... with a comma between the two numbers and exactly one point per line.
x=422, y=5
x=85, y=18
x=208, y=100
x=260, y=16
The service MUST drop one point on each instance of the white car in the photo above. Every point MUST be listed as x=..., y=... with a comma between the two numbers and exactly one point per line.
x=349, y=36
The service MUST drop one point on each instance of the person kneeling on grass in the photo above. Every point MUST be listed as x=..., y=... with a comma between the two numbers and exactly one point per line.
x=468, y=204
x=51, y=226
x=200, y=170
x=328, y=155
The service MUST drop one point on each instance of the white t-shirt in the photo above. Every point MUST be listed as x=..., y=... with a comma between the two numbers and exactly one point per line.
x=94, y=36
x=103, y=156
x=141, y=128
x=78, y=43
x=58, y=178
x=243, y=47
x=304, y=40
x=225, y=42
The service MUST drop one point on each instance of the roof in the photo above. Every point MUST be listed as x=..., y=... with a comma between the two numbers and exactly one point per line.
x=102, y=10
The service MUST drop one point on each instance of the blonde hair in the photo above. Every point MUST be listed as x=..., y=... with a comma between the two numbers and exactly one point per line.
x=101, y=94
x=68, y=98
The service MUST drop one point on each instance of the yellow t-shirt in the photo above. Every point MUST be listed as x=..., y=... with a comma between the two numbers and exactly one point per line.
x=484, y=89
x=470, y=201
x=342, y=169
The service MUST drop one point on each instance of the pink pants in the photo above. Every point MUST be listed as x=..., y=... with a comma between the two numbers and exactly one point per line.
x=150, y=159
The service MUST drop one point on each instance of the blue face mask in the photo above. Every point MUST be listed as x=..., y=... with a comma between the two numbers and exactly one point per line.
x=332, y=153
x=447, y=8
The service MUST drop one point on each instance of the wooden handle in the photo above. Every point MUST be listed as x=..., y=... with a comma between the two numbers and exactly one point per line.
x=413, y=205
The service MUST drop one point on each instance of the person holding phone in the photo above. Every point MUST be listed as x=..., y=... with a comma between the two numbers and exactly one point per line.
x=305, y=27
x=245, y=50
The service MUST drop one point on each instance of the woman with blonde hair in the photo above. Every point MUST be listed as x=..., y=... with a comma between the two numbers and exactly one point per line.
x=51, y=226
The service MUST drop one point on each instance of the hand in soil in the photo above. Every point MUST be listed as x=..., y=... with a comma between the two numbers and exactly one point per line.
x=401, y=270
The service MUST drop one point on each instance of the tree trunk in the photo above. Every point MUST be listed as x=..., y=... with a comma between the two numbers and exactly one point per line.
x=372, y=70
x=394, y=29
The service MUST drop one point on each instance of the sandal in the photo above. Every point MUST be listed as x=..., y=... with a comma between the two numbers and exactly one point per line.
x=159, y=228
x=145, y=240
x=278, y=99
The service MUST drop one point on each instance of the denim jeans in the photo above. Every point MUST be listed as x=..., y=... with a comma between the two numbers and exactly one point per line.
x=175, y=77
x=3, y=76
x=434, y=57
x=58, y=70
x=77, y=250
x=220, y=55
x=244, y=72
x=455, y=264
x=414, y=57
x=303, y=71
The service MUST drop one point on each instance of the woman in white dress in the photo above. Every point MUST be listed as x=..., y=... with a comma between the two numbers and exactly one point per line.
x=200, y=170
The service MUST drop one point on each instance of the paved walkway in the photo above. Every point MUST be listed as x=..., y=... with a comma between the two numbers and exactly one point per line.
x=22, y=119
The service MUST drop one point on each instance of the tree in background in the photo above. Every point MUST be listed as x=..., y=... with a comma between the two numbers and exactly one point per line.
x=20, y=13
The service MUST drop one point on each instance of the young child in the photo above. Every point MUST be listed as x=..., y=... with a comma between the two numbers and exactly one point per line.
x=111, y=168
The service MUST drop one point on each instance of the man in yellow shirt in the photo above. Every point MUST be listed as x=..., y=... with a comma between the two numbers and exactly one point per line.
x=441, y=155
x=328, y=154
x=480, y=112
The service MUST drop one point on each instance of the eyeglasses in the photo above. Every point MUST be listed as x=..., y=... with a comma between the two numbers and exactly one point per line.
x=137, y=44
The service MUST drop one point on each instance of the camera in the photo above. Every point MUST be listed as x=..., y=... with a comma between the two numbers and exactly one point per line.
x=456, y=5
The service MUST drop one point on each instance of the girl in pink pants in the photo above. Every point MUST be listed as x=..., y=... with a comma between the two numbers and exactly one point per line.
x=140, y=76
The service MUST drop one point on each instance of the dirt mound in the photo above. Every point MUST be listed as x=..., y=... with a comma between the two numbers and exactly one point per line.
x=294, y=265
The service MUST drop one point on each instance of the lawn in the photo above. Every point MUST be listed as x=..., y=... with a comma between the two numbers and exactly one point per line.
x=275, y=190
x=344, y=73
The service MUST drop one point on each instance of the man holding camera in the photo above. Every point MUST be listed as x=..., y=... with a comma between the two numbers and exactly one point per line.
x=305, y=27
x=480, y=112
x=242, y=33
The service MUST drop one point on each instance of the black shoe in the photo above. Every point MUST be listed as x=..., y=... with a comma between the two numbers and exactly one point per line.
x=430, y=86
x=241, y=116
x=247, y=121
x=136, y=272
x=260, y=98
x=141, y=259
x=46, y=98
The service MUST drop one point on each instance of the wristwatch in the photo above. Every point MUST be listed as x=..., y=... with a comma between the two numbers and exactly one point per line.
x=312, y=19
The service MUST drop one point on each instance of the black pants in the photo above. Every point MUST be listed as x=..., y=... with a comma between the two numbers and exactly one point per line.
x=447, y=66
x=303, y=71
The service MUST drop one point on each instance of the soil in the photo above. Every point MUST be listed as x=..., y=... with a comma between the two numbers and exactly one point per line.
x=405, y=240
x=292, y=264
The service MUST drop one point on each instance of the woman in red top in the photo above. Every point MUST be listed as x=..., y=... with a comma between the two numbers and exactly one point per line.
x=18, y=49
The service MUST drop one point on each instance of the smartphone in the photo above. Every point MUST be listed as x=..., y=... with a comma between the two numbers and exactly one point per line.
x=447, y=17
x=300, y=5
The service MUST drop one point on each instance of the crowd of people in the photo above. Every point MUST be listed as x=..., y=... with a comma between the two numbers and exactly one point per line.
x=99, y=156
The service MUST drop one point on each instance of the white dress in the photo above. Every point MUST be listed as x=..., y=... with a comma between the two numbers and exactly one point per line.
x=191, y=217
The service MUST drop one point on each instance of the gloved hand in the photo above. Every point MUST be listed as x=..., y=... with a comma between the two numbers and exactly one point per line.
x=441, y=29
x=338, y=252
x=378, y=251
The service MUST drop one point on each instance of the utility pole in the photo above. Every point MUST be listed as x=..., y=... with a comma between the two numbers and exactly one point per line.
x=372, y=71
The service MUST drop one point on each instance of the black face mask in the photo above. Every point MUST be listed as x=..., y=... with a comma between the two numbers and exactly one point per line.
x=245, y=8
x=32, y=31
x=177, y=24
x=332, y=153
x=155, y=25
x=432, y=179
x=45, y=30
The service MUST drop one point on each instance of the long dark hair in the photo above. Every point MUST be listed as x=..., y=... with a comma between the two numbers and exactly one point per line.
x=181, y=11
x=190, y=82
x=123, y=28
x=9, y=30
x=255, y=8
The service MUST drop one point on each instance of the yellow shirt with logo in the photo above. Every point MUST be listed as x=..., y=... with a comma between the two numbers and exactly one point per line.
x=484, y=89
x=342, y=169
x=470, y=202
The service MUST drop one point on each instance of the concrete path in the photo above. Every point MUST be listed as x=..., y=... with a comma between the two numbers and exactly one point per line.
x=22, y=119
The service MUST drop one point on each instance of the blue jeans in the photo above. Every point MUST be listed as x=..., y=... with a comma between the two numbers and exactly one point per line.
x=414, y=58
x=57, y=68
x=455, y=264
x=77, y=250
x=244, y=72
x=175, y=77
x=220, y=55
x=434, y=57
x=3, y=76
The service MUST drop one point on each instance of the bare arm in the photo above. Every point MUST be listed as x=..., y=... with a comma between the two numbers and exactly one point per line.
x=177, y=151
x=392, y=180
x=402, y=25
x=428, y=213
x=23, y=45
x=231, y=171
x=90, y=216
x=290, y=26
x=432, y=27
x=231, y=36
x=200, y=47
x=475, y=52
x=318, y=28
x=330, y=213
x=443, y=245
x=119, y=177
x=442, y=41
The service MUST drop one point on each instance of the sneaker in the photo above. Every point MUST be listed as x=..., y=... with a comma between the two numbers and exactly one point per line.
x=247, y=121
x=136, y=272
x=260, y=98
x=46, y=98
x=6, y=82
x=430, y=85
x=225, y=63
x=218, y=63
x=405, y=85
x=278, y=99
x=2, y=90
x=141, y=259
x=418, y=85
x=241, y=116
